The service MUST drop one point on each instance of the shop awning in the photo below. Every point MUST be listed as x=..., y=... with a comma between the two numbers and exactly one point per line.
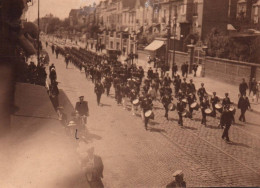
x=230, y=27
x=155, y=45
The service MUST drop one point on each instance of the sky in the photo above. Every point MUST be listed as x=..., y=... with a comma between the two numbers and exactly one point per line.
x=59, y=8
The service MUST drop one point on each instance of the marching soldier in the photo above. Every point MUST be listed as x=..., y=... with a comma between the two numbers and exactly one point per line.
x=201, y=92
x=226, y=120
x=82, y=108
x=191, y=99
x=99, y=90
x=133, y=96
x=184, y=86
x=243, y=105
x=204, y=105
x=147, y=105
x=166, y=100
x=226, y=101
x=180, y=110
x=214, y=100
x=191, y=87
x=177, y=84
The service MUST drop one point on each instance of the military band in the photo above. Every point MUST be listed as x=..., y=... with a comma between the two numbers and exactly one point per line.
x=129, y=85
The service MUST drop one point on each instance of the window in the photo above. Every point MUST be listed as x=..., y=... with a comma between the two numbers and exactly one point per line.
x=195, y=9
x=117, y=45
x=183, y=9
x=256, y=10
x=111, y=45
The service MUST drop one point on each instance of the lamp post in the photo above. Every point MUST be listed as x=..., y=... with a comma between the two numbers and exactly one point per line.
x=38, y=37
x=174, y=36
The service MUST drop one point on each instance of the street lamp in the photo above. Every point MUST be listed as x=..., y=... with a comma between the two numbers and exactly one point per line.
x=174, y=37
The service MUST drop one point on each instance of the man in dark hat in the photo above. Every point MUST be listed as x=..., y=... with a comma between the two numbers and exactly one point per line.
x=226, y=121
x=243, y=87
x=214, y=100
x=178, y=182
x=201, y=92
x=82, y=108
x=243, y=105
x=204, y=105
x=166, y=100
x=99, y=90
x=180, y=110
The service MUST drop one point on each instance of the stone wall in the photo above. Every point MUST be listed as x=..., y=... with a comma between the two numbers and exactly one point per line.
x=229, y=71
x=180, y=58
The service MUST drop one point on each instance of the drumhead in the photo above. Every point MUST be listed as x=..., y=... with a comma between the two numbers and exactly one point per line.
x=185, y=100
x=208, y=111
x=194, y=105
x=232, y=108
x=218, y=106
x=148, y=113
x=136, y=101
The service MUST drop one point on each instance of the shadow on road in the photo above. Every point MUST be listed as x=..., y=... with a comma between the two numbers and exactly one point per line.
x=157, y=130
x=190, y=128
x=239, y=144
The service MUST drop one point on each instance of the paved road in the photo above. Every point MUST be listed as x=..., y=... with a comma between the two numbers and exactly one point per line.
x=134, y=157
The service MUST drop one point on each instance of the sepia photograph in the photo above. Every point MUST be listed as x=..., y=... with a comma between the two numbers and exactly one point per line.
x=129, y=93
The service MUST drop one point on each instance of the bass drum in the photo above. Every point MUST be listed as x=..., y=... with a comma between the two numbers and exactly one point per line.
x=171, y=107
x=195, y=106
x=149, y=114
x=232, y=109
x=208, y=112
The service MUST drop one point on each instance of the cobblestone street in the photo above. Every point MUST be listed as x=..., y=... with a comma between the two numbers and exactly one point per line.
x=134, y=157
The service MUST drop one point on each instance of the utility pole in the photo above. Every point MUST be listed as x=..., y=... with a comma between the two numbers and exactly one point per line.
x=38, y=38
x=168, y=34
x=174, y=34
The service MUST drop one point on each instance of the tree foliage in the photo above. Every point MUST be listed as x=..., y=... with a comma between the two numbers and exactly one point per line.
x=234, y=48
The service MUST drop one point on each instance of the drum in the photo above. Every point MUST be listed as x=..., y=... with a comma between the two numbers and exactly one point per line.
x=218, y=106
x=171, y=107
x=185, y=101
x=186, y=114
x=208, y=111
x=194, y=106
x=232, y=109
x=149, y=114
x=136, y=102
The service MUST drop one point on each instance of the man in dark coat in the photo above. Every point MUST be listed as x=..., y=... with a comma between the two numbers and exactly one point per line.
x=243, y=105
x=226, y=121
x=94, y=167
x=99, y=90
x=178, y=182
x=174, y=70
x=243, y=87
x=195, y=68
x=82, y=108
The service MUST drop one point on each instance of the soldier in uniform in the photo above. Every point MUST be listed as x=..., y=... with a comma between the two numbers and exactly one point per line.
x=177, y=84
x=174, y=70
x=133, y=96
x=226, y=100
x=226, y=120
x=184, y=86
x=191, y=87
x=167, y=80
x=204, y=105
x=201, y=92
x=82, y=108
x=147, y=105
x=243, y=105
x=178, y=182
x=99, y=90
x=180, y=110
x=195, y=68
x=166, y=100
x=191, y=99
x=214, y=100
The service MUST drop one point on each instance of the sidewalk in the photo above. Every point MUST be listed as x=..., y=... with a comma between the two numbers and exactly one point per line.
x=38, y=152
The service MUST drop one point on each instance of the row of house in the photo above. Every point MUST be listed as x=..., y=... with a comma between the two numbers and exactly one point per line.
x=123, y=22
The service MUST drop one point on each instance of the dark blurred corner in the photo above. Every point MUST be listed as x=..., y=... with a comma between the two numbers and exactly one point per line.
x=12, y=43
